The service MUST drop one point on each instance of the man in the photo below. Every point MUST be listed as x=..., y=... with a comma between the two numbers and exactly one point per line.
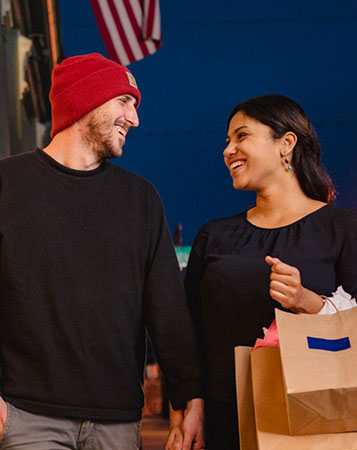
x=86, y=264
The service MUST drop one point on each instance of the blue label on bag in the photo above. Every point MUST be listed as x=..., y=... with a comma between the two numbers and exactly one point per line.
x=330, y=345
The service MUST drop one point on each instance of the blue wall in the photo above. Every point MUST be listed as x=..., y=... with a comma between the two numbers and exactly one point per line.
x=214, y=55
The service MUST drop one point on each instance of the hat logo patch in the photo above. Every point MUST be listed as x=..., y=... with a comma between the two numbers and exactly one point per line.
x=131, y=80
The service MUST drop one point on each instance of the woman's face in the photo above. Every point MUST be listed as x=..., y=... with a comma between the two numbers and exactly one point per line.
x=252, y=155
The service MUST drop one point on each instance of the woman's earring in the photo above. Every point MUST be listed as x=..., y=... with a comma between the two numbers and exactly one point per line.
x=287, y=162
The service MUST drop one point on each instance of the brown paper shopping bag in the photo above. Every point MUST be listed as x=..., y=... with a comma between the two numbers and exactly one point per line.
x=246, y=419
x=271, y=419
x=319, y=367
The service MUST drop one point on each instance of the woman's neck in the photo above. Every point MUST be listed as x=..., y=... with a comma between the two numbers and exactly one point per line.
x=279, y=207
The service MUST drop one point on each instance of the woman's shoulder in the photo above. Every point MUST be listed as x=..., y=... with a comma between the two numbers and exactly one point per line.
x=219, y=230
x=337, y=219
x=218, y=224
x=340, y=214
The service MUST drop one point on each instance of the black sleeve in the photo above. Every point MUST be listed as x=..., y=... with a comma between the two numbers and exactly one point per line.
x=194, y=273
x=346, y=266
x=167, y=315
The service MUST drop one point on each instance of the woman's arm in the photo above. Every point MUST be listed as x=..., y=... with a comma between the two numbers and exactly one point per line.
x=175, y=437
x=346, y=271
x=285, y=281
x=3, y=415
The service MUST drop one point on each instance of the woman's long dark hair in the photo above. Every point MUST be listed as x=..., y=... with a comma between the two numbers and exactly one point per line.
x=282, y=114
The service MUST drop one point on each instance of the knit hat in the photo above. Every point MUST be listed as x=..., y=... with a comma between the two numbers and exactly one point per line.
x=82, y=83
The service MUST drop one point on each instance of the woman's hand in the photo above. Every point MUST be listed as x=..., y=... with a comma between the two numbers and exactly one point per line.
x=3, y=415
x=186, y=427
x=286, y=288
x=175, y=438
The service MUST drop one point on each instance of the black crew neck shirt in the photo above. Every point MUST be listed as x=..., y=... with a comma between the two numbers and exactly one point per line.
x=86, y=264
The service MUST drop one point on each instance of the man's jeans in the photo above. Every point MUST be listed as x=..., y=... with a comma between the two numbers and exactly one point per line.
x=27, y=431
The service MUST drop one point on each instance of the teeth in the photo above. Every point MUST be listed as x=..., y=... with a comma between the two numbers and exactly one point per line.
x=236, y=164
x=121, y=130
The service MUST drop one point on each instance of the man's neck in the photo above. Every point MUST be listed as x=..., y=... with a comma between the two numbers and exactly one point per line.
x=68, y=149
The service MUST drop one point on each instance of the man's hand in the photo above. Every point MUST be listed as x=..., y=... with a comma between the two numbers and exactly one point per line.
x=286, y=288
x=193, y=425
x=3, y=415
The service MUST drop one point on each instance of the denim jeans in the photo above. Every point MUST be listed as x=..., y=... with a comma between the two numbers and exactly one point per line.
x=28, y=431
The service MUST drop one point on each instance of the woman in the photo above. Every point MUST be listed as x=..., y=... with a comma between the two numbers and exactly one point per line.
x=293, y=246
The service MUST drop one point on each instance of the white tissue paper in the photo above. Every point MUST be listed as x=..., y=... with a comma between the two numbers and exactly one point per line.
x=339, y=301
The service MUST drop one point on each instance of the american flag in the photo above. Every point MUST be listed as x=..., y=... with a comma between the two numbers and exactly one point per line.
x=130, y=29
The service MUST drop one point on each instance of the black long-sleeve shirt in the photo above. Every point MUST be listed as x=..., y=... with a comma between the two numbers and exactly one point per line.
x=86, y=263
x=227, y=279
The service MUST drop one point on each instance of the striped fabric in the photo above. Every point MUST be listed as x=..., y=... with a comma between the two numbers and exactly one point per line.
x=130, y=29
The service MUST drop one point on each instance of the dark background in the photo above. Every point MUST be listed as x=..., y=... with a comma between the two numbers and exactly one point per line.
x=215, y=54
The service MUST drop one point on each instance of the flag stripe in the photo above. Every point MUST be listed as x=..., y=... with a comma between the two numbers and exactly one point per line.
x=151, y=25
x=130, y=28
x=151, y=22
x=137, y=8
x=103, y=29
x=149, y=14
x=139, y=12
x=124, y=27
x=156, y=32
x=110, y=33
x=136, y=27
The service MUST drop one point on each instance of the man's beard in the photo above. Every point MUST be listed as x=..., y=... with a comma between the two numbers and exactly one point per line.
x=98, y=134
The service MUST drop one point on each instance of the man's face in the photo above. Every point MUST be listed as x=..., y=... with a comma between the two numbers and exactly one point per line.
x=105, y=128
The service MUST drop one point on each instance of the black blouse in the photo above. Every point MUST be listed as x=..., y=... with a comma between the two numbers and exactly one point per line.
x=227, y=279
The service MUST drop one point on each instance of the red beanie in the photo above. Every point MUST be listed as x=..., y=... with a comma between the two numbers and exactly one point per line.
x=82, y=83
